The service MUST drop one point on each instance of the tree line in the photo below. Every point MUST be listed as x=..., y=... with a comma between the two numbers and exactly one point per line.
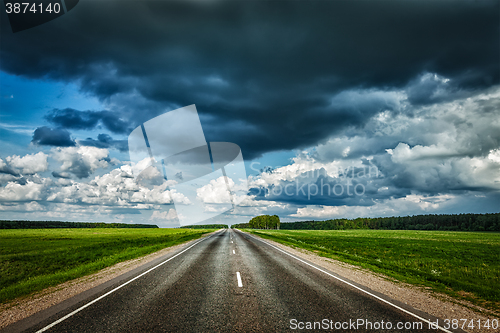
x=206, y=226
x=59, y=224
x=261, y=222
x=445, y=222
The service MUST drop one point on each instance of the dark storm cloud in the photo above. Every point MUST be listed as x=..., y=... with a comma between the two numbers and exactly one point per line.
x=63, y=175
x=262, y=74
x=87, y=120
x=73, y=119
x=106, y=141
x=47, y=136
x=4, y=168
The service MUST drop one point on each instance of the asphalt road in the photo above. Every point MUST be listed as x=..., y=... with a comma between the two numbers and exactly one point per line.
x=230, y=282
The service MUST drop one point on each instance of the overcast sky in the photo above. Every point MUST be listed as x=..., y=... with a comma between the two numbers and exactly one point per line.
x=341, y=108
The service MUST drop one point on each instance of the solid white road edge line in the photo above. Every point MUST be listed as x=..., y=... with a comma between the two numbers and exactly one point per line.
x=238, y=276
x=112, y=291
x=350, y=284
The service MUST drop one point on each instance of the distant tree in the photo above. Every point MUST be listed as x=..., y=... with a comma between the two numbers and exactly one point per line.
x=59, y=224
x=265, y=222
x=463, y=222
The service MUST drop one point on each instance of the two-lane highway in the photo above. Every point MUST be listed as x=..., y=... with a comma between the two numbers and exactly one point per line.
x=234, y=282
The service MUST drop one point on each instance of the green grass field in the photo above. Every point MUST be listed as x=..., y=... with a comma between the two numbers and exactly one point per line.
x=34, y=259
x=465, y=265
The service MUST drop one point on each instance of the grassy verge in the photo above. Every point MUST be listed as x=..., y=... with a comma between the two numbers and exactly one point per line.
x=34, y=259
x=464, y=265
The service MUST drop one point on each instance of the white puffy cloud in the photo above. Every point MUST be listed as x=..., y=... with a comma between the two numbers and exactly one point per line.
x=403, y=153
x=494, y=155
x=429, y=174
x=116, y=188
x=81, y=161
x=17, y=192
x=25, y=165
x=215, y=192
x=29, y=164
